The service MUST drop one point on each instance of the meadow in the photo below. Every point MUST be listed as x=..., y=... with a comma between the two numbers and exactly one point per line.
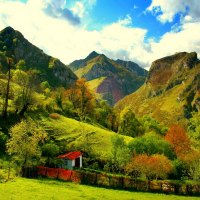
x=37, y=189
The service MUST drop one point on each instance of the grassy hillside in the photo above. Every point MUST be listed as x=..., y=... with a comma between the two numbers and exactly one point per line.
x=72, y=133
x=172, y=90
x=28, y=189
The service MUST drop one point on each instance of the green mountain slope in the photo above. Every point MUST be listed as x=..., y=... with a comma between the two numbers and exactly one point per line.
x=14, y=45
x=113, y=79
x=171, y=91
x=73, y=133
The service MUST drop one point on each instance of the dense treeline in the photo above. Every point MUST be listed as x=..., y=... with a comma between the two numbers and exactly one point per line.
x=156, y=152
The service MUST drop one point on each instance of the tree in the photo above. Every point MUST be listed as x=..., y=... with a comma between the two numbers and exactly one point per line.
x=150, y=124
x=24, y=142
x=21, y=65
x=179, y=140
x=151, y=143
x=192, y=160
x=105, y=115
x=194, y=130
x=152, y=167
x=24, y=95
x=120, y=154
x=50, y=150
x=128, y=123
x=82, y=99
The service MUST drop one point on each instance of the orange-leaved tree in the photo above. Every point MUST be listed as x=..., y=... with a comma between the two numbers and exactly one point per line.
x=82, y=98
x=152, y=167
x=179, y=140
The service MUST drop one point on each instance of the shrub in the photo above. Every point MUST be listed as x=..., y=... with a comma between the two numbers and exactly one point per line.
x=54, y=116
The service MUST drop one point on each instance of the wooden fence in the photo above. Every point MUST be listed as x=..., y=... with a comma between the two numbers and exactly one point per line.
x=120, y=182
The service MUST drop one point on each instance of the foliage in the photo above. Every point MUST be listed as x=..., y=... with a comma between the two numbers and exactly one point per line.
x=128, y=123
x=150, y=124
x=24, y=141
x=179, y=140
x=50, y=150
x=192, y=160
x=82, y=98
x=194, y=129
x=21, y=65
x=180, y=170
x=24, y=95
x=150, y=144
x=3, y=139
x=105, y=115
x=120, y=152
x=155, y=166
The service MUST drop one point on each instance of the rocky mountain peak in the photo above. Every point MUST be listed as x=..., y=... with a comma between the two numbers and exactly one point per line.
x=166, y=69
x=92, y=55
x=13, y=44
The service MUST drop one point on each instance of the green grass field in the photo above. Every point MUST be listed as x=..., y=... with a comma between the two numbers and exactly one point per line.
x=28, y=189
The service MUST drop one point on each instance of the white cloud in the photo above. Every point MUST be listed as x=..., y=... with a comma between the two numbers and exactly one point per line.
x=82, y=8
x=62, y=39
x=165, y=10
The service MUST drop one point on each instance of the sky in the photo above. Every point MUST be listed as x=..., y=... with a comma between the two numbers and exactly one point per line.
x=137, y=30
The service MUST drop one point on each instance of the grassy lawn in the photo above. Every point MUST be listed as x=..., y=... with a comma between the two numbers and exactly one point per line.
x=28, y=189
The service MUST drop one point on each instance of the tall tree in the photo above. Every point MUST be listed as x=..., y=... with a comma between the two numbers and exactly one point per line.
x=24, y=141
x=128, y=123
x=179, y=140
x=24, y=95
x=82, y=99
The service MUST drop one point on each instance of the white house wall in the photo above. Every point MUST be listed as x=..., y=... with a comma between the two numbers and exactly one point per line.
x=81, y=161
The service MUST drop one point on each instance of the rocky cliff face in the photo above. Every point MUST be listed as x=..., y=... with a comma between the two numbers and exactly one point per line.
x=171, y=91
x=170, y=71
x=14, y=45
x=118, y=80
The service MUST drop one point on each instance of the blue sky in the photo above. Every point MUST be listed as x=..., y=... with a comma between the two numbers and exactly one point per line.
x=137, y=30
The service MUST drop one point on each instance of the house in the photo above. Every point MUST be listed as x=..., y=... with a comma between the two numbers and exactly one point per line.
x=71, y=160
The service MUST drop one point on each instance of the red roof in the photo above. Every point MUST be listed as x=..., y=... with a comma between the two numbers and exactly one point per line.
x=71, y=156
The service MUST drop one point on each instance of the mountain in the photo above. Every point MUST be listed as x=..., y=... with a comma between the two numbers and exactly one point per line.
x=133, y=67
x=14, y=45
x=112, y=80
x=171, y=91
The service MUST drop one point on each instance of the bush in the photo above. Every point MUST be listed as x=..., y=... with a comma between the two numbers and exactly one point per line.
x=54, y=116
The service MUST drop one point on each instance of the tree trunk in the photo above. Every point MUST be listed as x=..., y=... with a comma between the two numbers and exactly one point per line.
x=24, y=109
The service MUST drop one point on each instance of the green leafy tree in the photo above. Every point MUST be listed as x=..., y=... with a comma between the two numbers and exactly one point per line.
x=194, y=130
x=150, y=124
x=50, y=150
x=120, y=154
x=24, y=143
x=24, y=95
x=151, y=143
x=21, y=65
x=129, y=124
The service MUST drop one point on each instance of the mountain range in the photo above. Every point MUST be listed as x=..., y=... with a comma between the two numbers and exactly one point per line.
x=111, y=79
x=171, y=91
